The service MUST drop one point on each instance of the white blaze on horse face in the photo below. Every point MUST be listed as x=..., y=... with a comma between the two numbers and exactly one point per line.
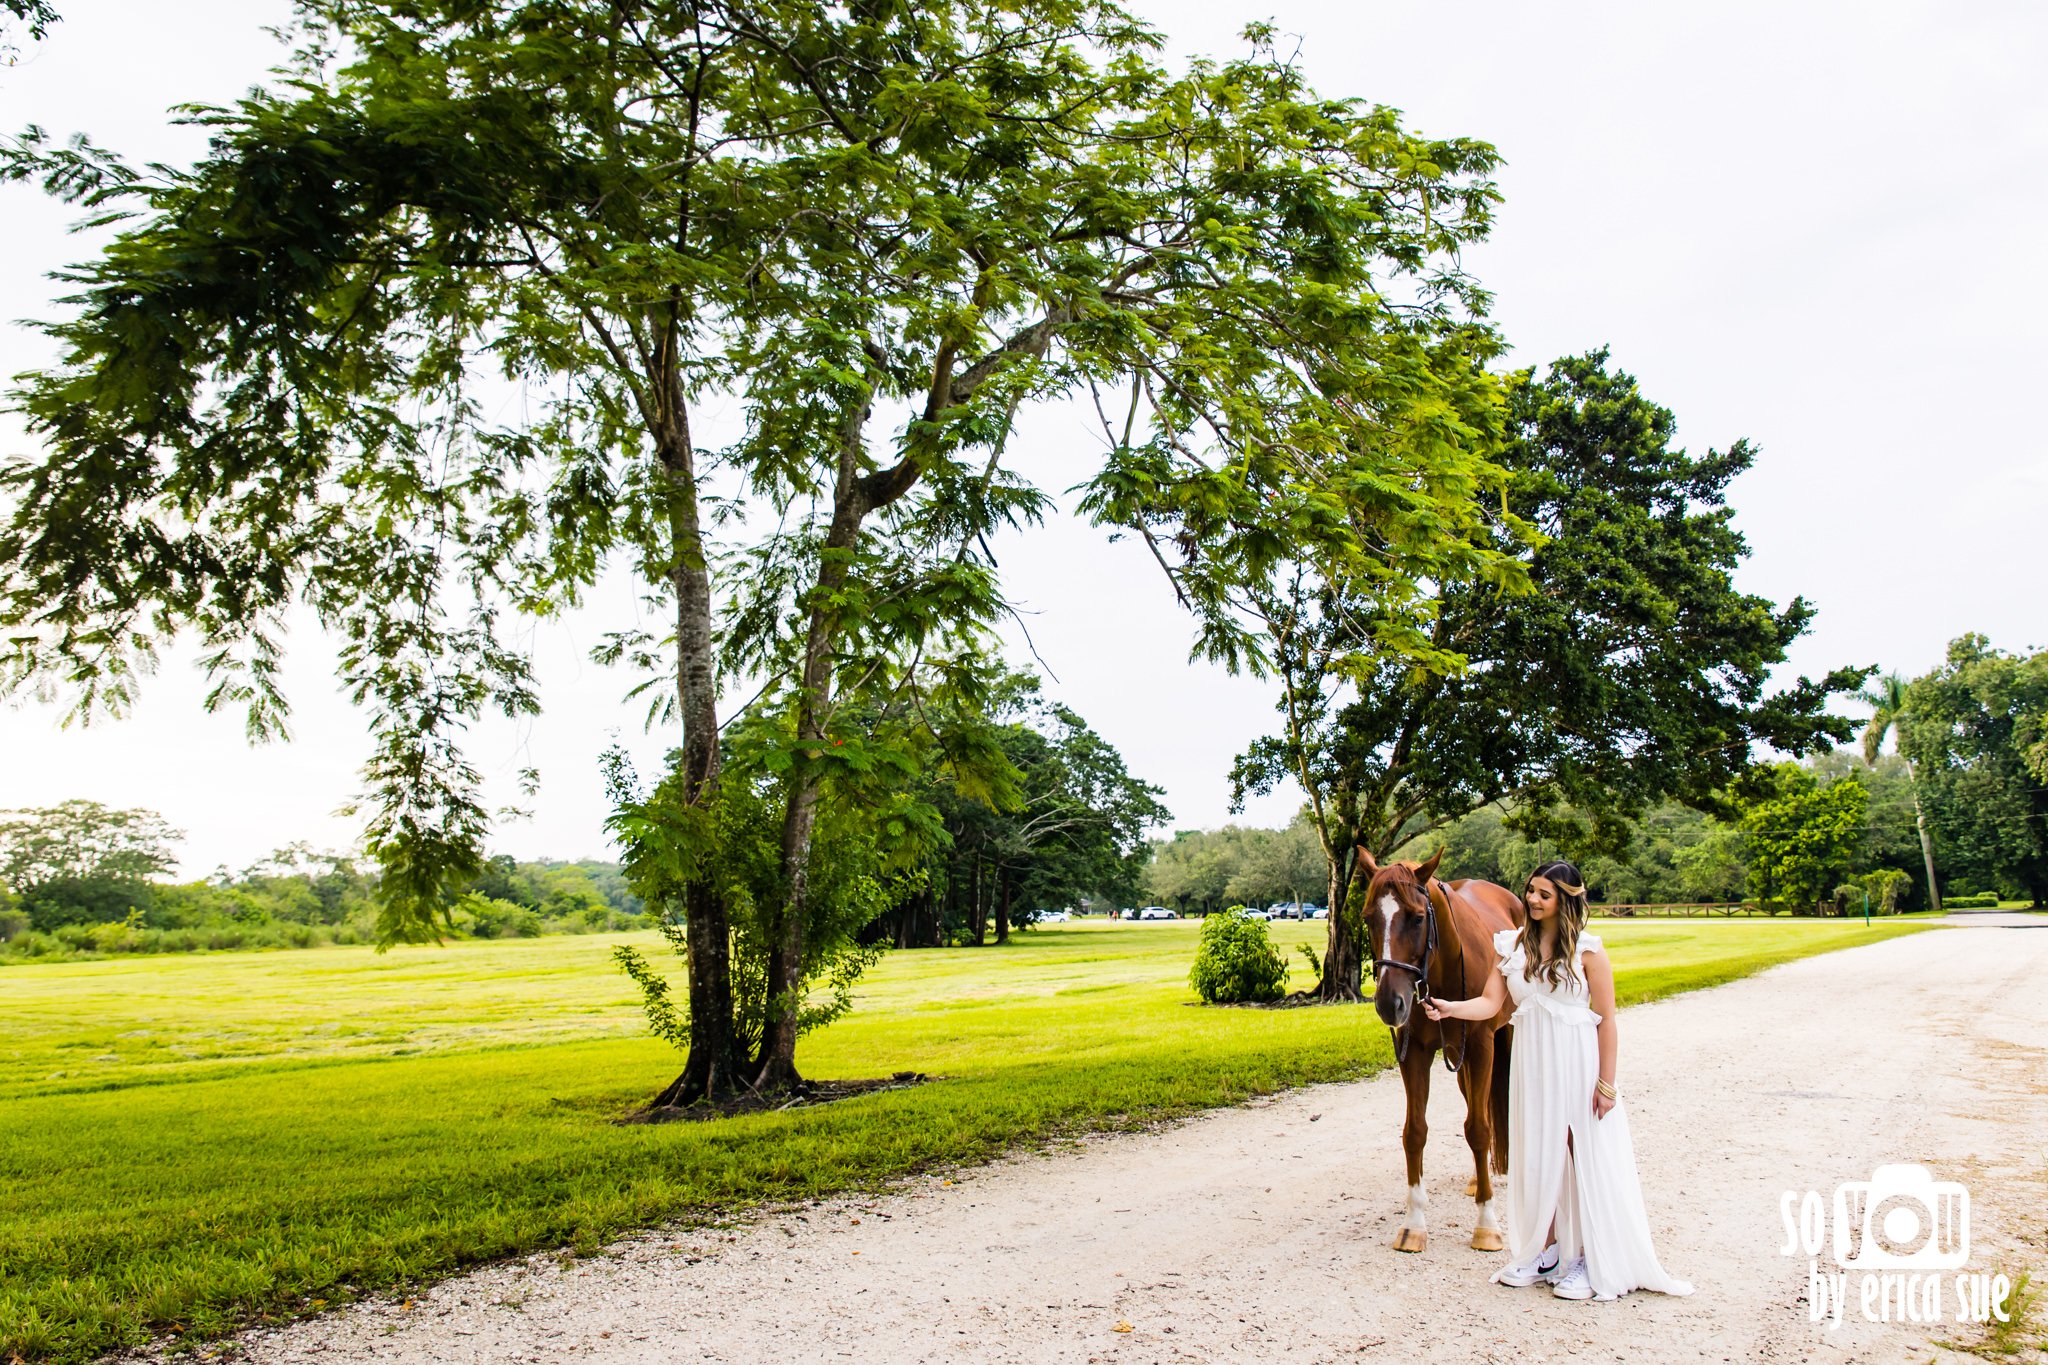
x=1388, y=909
x=1418, y=1208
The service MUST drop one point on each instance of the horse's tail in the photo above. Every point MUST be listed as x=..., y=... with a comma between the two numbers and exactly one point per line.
x=1503, y=1057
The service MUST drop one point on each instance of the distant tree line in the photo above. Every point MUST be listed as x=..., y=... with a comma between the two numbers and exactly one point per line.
x=1200, y=872
x=1813, y=837
x=1068, y=829
x=1817, y=836
x=81, y=878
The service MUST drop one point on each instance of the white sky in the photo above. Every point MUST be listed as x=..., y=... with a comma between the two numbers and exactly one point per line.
x=1817, y=226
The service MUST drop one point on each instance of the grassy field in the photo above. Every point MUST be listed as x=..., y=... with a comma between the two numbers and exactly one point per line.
x=194, y=1143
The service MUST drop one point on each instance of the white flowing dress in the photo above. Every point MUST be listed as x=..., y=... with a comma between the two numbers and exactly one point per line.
x=1591, y=1187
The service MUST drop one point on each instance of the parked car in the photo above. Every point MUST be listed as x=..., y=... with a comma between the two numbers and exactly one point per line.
x=1156, y=912
x=1053, y=917
x=1253, y=912
x=1319, y=912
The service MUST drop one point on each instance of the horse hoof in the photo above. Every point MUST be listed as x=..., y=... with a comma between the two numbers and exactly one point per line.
x=1411, y=1239
x=1487, y=1239
x=1472, y=1188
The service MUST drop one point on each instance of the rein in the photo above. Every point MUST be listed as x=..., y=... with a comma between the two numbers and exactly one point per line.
x=1421, y=974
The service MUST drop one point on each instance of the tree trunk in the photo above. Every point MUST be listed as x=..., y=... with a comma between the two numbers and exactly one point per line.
x=979, y=915
x=1926, y=844
x=1003, y=910
x=949, y=912
x=714, y=1065
x=790, y=927
x=1344, y=950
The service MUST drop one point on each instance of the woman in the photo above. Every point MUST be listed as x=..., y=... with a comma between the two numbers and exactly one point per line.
x=1575, y=1205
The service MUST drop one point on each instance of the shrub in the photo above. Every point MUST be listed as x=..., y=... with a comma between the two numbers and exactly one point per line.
x=1236, y=960
x=1982, y=901
x=65, y=902
x=489, y=917
x=1888, y=887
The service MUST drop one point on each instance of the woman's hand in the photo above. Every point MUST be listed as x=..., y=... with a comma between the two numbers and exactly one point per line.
x=1436, y=1008
x=1601, y=1104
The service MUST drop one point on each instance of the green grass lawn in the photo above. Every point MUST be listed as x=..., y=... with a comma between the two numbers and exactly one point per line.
x=192, y=1143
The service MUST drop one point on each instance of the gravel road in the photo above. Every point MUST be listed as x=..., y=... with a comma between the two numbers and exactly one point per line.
x=1264, y=1231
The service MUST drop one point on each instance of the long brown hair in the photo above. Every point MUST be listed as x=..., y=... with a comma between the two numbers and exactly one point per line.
x=1571, y=918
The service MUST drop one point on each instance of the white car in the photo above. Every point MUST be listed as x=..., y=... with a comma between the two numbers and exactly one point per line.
x=1156, y=912
x=1054, y=917
x=1251, y=912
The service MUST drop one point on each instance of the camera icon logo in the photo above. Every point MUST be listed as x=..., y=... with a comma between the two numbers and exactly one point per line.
x=1902, y=1218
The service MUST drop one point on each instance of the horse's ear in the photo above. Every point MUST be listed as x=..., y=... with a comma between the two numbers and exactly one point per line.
x=1425, y=870
x=1372, y=867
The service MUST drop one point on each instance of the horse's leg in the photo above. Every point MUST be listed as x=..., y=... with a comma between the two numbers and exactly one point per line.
x=1414, y=1231
x=1497, y=1104
x=1478, y=1086
x=1503, y=1059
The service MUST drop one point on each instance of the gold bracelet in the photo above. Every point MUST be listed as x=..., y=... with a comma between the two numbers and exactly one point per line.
x=1605, y=1087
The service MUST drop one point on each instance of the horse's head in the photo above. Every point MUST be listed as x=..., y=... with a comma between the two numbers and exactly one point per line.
x=1397, y=917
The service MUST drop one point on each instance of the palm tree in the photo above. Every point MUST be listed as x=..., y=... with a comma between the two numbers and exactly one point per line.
x=1887, y=700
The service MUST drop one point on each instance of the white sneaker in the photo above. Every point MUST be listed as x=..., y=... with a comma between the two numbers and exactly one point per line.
x=1527, y=1273
x=1576, y=1283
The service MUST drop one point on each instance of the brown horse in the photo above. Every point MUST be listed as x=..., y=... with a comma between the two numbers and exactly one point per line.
x=1441, y=933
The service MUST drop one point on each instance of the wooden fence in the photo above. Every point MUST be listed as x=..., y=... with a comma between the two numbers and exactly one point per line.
x=1677, y=911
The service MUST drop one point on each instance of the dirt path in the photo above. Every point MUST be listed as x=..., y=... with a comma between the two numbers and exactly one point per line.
x=1263, y=1232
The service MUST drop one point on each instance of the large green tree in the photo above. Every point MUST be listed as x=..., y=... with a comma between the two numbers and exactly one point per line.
x=1968, y=728
x=84, y=839
x=1071, y=829
x=283, y=387
x=1802, y=834
x=82, y=861
x=1634, y=672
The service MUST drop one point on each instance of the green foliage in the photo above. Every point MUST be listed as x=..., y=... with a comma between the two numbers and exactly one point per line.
x=1881, y=891
x=1803, y=836
x=226, y=1087
x=1632, y=651
x=1634, y=670
x=1067, y=828
x=489, y=917
x=1972, y=729
x=300, y=898
x=37, y=14
x=1204, y=870
x=82, y=841
x=60, y=901
x=1983, y=900
x=1236, y=960
x=863, y=859
x=34, y=15
x=277, y=389
x=1676, y=854
x=1887, y=888
x=82, y=863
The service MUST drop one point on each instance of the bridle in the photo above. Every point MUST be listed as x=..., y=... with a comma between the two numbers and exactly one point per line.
x=1421, y=974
